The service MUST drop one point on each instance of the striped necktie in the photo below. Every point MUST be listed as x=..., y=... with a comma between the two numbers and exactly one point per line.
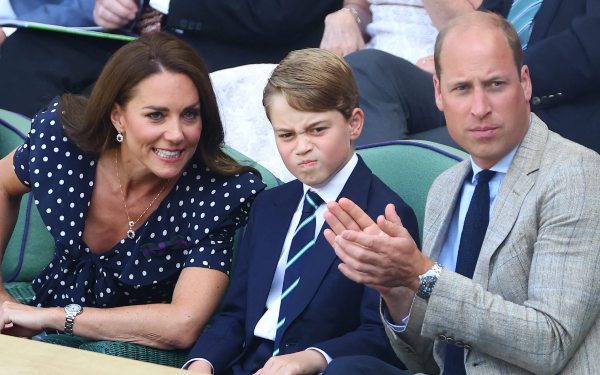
x=521, y=16
x=303, y=240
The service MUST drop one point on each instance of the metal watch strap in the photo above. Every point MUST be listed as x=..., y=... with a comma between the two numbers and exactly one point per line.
x=70, y=317
x=427, y=281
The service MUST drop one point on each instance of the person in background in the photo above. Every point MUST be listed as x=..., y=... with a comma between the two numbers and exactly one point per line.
x=36, y=65
x=141, y=200
x=507, y=281
x=558, y=46
x=55, y=12
x=288, y=309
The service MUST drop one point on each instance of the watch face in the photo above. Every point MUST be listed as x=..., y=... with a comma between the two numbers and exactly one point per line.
x=73, y=308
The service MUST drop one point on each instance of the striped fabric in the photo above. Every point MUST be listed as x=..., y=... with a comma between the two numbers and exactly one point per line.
x=521, y=16
x=303, y=240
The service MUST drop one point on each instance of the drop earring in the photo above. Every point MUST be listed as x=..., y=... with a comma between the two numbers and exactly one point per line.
x=120, y=137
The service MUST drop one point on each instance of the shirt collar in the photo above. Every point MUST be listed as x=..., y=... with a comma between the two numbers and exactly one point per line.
x=501, y=166
x=331, y=190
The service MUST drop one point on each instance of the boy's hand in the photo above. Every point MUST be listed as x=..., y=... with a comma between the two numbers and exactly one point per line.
x=305, y=362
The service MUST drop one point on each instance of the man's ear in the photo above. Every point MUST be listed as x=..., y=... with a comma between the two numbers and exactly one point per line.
x=438, y=93
x=526, y=82
x=116, y=117
x=357, y=121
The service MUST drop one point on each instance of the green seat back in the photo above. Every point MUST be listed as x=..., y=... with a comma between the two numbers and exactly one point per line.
x=31, y=247
x=409, y=168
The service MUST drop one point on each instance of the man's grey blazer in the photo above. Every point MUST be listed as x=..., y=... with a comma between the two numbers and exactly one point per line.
x=534, y=300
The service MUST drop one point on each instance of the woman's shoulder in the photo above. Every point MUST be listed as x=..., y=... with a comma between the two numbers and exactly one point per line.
x=199, y=178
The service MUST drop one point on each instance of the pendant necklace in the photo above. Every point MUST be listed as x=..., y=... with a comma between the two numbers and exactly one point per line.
x=131, y=223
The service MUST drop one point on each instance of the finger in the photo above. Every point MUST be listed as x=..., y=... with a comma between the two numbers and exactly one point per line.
x=355, y=213
x=329, y=236
x=343, y=220
x=357, y=257
x=391, y=215
x=356, y=276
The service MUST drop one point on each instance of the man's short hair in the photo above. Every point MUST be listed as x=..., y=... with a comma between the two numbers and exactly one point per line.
x=485, y=20
x=313, y=80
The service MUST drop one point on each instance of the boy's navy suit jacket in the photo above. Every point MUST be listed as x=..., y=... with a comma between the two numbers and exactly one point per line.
x=330, y=312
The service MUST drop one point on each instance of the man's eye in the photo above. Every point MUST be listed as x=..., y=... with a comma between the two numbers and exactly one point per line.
x=285, y=135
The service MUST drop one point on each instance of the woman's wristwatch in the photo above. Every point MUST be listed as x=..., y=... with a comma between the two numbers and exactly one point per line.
x=427, y=281
x=71, y=311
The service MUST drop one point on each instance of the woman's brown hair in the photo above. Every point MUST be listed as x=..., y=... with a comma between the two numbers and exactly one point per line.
x=87, y=121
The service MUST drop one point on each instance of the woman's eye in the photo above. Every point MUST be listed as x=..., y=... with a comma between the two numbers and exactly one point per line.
x=155, y=116
x=190, y=115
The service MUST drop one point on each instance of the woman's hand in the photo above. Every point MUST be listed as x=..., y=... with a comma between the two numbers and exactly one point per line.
x=342, y=34
x=22, y=320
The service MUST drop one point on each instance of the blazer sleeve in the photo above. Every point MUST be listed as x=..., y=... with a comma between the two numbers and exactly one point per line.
x=266, y=22
x=224, y=340
x=64, y=13
x=555, y=248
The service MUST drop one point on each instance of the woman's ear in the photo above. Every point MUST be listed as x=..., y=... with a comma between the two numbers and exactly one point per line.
x=357, y=120
x=116, y=117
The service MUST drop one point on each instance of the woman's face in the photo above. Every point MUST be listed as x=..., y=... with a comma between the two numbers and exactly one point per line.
x=161, y=125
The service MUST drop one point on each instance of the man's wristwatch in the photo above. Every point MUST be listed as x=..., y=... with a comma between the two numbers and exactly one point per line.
x=71, y=311
x=427, y=281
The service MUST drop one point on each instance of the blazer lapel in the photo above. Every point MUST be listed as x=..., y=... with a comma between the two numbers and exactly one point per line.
x=441, y=209
x=542, y=20
x=513, y=191
x=265, y=259
x=320, y=258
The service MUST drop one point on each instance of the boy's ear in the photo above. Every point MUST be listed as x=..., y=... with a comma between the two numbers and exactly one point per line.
x=357, y=120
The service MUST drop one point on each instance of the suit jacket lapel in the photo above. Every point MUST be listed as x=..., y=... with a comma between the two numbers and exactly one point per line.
x=542, y=20
x=321, y=257
x=265, y=259
x=513, y=191
x=442, y=209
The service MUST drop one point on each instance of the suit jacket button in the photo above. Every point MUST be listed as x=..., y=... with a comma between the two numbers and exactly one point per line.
x=450, y=340
x=442, y=337
x=467, y=346
x=536, y=100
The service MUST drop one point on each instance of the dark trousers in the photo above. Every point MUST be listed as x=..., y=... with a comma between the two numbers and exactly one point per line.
x=361, y=365
x=397, y=97
x=36, y=66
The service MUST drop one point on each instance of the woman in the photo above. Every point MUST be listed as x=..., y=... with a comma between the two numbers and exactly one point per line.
x=139, y=197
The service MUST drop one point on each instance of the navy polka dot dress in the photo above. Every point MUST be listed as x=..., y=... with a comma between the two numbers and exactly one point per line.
x=192, y=227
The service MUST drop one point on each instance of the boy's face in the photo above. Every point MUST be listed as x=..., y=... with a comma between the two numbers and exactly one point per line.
x=314, y=146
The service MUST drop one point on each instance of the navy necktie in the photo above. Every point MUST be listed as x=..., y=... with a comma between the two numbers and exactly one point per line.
x=471, y=239
x=303, y=240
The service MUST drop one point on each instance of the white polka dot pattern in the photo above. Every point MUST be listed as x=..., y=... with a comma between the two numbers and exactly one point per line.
x=142, y=270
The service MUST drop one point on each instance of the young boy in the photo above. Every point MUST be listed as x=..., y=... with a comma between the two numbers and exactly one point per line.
x=288, y=308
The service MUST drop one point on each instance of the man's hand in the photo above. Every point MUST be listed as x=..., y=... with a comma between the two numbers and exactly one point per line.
x=304, y=362
x=114, y=14
x=342, y=34
x=381, y=256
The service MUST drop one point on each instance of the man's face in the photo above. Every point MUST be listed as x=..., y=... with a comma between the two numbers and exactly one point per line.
x=484, y=98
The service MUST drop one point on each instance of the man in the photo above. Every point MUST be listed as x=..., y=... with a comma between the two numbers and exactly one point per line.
x=562, y=53
x=519, y=295
x=37, y=65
